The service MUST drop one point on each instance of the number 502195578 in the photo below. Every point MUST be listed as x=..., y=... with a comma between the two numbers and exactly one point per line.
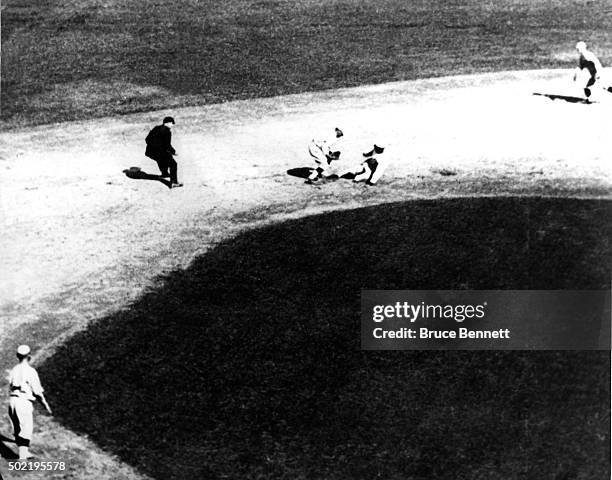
x=30, y=466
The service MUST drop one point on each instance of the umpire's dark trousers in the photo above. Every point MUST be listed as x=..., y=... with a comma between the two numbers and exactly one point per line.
x=165, y=161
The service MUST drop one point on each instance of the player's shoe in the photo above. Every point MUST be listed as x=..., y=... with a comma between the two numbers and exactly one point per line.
x=176, y=185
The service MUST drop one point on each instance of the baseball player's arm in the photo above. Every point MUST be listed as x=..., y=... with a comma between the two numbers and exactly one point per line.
x=38, y=390
x=325, y=149
x=598, y=66
x=168, y=142
x=41, y=398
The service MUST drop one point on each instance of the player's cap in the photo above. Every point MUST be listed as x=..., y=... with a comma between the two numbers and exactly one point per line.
x=378, y=149
x=580, y=46
x=23, y=350
x=339, y=132
x=168, y=120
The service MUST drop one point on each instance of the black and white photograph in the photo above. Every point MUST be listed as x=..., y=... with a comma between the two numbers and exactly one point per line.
x=305, y=239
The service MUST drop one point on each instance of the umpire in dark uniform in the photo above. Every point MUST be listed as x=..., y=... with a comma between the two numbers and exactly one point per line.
x=159, y=148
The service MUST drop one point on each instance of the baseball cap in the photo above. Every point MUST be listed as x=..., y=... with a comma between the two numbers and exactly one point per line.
x=580, y=45
x=23, y=350
x=339, y=132
x=378, y=149
x=168, y=120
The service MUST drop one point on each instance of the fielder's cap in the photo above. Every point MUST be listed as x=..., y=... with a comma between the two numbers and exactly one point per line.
x=168, y=120
x=23, y=350
x=339, y=132
x=378, y=149
x=580, y=45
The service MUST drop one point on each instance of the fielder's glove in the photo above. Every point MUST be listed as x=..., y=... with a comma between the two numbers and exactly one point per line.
x=333, y=155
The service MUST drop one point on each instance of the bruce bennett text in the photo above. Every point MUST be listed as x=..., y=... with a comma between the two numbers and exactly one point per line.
x=428, y=334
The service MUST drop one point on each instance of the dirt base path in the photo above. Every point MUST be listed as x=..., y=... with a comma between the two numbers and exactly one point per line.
x=79, y=236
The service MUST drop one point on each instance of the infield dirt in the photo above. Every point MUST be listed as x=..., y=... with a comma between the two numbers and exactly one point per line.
x=74, y=220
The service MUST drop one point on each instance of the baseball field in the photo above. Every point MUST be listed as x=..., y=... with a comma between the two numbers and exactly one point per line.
x=212, y=331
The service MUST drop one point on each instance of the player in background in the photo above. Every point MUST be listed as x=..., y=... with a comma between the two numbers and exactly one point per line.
x=589, y=61
x=324, y=151
x=24, y=390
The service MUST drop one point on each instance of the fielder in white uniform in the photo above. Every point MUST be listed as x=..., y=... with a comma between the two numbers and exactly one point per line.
x=322, y=150
x=24, y=390
x=588, y=61
x=372, y=167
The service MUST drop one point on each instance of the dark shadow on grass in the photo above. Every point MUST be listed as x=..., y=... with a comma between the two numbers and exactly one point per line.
x=248, y=364
x=567, y=98
x=136, y=173
x=6, y=452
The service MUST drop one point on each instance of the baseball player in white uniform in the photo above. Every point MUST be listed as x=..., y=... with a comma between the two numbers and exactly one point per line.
x=588, y=61
x=324, y=151
x=372, y=167
x=24, y=390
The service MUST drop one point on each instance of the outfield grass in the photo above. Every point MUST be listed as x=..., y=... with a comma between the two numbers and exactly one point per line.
x=65, y=60
x=247, y=364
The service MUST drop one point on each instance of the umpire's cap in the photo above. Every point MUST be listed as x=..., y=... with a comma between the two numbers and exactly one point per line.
x=23, y=350
x=168, y=120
